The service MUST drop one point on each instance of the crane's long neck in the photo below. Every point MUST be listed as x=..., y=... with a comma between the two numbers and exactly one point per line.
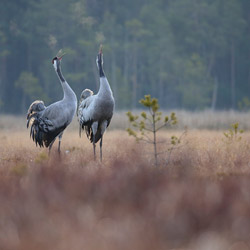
x=100, y=67
x=104, y=89
x=101, y=72
x=68, y=93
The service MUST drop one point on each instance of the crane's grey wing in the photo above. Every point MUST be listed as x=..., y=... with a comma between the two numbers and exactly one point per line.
x=85, y=113
x=43, y=129
x=85, y=101
x=85, y=110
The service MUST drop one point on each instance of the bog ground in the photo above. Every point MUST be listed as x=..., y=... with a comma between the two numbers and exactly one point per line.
x=198, y=200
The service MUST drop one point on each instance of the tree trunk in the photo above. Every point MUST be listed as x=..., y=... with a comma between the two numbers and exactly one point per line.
x=113, y=71
x=161, y=87
x=233, y=74
x=134, y=78
x=2, y=80
x=214, y=97
x=126, y=60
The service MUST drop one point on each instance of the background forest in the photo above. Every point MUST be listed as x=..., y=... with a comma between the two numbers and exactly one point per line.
x=190, y=54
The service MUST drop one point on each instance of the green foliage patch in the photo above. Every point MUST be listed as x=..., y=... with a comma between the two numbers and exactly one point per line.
x=145, y=127
x=233, y=134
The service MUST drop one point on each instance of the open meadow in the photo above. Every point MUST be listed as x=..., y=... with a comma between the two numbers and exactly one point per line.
x=196, y=199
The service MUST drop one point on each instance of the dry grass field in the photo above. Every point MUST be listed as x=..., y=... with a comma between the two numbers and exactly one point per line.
x=199, y=200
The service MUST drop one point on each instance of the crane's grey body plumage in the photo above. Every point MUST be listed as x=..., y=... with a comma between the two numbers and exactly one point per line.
x=95, y=111
x=48, y=123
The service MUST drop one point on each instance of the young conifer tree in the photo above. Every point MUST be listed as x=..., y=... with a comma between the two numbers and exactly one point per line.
x=146, y=126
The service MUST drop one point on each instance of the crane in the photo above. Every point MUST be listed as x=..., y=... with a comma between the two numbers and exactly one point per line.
x=95, y=111
x=48, y=123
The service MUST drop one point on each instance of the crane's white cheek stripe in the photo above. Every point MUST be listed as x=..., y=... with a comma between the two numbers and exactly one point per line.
x=54, y=64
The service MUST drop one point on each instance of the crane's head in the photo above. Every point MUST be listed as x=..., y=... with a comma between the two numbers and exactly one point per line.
x=57, y=59
x=99, y=58
x=85, y=94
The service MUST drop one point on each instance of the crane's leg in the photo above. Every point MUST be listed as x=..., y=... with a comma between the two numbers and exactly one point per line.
x=94, y=127
x=103, y=129
x=59, y=143
x=101, y=149
x=94, y=148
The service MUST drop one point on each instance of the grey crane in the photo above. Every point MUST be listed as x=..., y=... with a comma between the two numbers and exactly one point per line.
x=48, y=123
x=95, y=111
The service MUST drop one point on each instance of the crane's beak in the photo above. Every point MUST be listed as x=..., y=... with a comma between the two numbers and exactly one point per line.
x=60, y=54
x=100, y=49
x=60, y=58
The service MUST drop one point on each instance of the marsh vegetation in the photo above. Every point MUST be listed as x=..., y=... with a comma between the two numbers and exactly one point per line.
x=200, y=200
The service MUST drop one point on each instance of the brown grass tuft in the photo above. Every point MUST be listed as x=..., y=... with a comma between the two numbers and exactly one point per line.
x=200, y=200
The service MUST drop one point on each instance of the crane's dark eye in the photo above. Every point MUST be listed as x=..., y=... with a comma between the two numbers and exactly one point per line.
x=54, y=60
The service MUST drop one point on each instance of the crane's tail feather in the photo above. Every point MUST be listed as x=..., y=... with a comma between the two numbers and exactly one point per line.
x=88, y=130
x=90, y=135
x=36, y=133
x=33, y=115
x=42, y=130
x=34, y=109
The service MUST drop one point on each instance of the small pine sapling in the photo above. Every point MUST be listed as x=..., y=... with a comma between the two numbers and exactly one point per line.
x=146, y=126
x=233, y=134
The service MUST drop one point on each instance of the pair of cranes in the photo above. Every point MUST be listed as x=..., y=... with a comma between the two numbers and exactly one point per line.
x=94, y=111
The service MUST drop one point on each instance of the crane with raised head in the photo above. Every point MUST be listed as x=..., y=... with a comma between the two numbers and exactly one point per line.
x=48, y=123
x=95, y=111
